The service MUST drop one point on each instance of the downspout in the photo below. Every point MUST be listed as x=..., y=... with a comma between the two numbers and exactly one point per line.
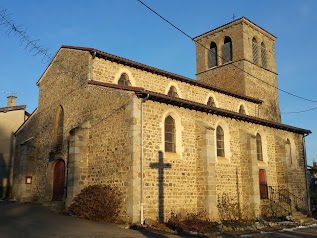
x=305, y=165
x=142, y=157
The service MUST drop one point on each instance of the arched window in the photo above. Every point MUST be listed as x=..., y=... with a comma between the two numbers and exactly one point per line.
x=124, y=80
x=255, y=51
x=169, y=127
x=241, y=109
x=220, y=142
x=60, y=128
x=259, y=153
x=172, y=92
x=211, y=102
x=212, y=55
x=226, y=50
x=263, y=55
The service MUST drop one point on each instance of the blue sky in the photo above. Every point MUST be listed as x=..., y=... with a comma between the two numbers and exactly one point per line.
x=126, y=28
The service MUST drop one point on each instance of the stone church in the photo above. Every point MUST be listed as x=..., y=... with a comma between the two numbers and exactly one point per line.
x=170, y=143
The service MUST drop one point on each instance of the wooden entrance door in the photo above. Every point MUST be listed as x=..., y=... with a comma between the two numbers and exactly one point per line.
x=58, y=181
x=263, y=184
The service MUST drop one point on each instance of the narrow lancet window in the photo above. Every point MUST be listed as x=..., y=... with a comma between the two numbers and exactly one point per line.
x=169, y=134
x=212, y=55
x=172, y=92
x=211, y=102
x=259, y=153
x=60, y=128
x=255, y=51
x=241, y=109
x=124, y=80
x=227, y=50
x=263, y=55
x=220, y=142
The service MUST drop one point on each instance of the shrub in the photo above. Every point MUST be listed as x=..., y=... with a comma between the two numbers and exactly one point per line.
x=198, y=222
x=97, y=202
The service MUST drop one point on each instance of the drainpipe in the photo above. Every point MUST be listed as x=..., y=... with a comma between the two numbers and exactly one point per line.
x=142, y=157
x=305, y=165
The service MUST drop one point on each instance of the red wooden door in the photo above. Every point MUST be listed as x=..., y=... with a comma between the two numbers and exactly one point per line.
x=58, y=181
x=263, y=184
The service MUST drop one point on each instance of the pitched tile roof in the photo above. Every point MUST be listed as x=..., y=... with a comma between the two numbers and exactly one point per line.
x=151, y=69
x=141, y=92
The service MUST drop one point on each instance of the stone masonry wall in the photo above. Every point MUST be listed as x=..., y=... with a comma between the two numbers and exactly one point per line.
x=108, y=140
x=60, y=84
x=110, y=72
x=185, y=180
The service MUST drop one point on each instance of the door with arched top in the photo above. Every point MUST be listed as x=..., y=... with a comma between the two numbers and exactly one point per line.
x=58, y=181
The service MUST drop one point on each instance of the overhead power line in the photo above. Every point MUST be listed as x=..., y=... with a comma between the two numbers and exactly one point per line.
x=253, y=76
x=307, y=110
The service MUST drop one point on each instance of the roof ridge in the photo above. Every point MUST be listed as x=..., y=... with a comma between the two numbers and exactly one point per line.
x=163, y=72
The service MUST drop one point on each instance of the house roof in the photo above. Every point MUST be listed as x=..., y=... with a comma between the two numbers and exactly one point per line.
x=13, y=108
x=241, y=19
x=154, y=70
x=141, y=92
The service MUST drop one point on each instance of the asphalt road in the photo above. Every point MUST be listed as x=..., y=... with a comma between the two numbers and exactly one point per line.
x=26, y=220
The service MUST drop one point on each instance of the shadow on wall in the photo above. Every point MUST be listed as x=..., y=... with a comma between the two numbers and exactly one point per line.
x=6, y=169
x=3, y=176
x=161, y=166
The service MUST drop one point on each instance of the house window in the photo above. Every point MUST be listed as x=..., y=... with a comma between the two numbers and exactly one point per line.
x=263, y=184
x=211, y=102
x=263, y=55
x=124, y=80
x=241, y=109
x=169, y=134
x=220, y=142
x=255, y=51
x=60, y=128
x=259, y=147
x=226, y=50
x=212, y=55
x=172, y=92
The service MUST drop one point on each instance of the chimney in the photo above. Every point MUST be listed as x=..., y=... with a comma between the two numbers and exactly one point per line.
x=12, y=101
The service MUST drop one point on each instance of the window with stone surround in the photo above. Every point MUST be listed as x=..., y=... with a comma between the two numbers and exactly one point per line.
x=212, y=55
x=226, y=50
x=124, y=80
x=172, y=92
x=289, y=150
x=59, y=128
x=220, y=142
x=254, y=51
x=259, y=153
x=169, y=128
x=211, y=102
x=242, y=110
x=263, y=55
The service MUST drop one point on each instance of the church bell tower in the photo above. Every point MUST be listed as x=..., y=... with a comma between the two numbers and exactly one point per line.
x=239, y=57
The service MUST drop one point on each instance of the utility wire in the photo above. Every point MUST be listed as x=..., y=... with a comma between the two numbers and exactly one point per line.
x=184, y=33
x=307, y=110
